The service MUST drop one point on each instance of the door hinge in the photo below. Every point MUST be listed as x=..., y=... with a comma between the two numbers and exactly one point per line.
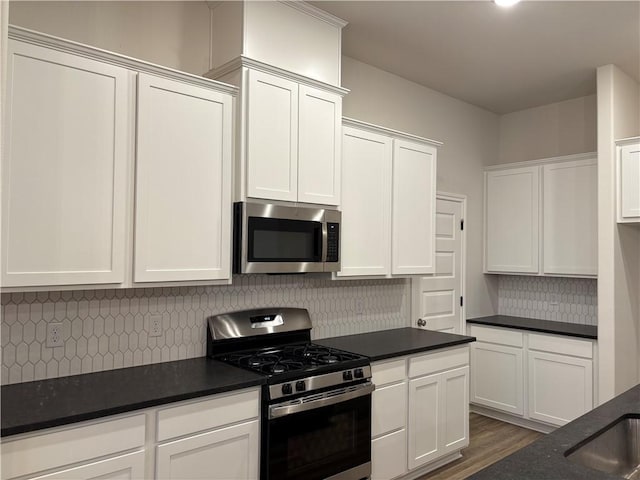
x=462, y=224
x=462, y=301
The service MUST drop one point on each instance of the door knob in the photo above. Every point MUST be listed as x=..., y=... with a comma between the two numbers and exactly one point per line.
x=421, y=322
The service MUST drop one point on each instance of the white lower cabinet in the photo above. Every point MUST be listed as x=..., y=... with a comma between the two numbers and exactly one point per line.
x=420, y=412
x=216, y=437
x=92, y=450
x=229, y=453
x=535, y=377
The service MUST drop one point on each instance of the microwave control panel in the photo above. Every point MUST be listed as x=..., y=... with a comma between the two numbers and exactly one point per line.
x=333, y=242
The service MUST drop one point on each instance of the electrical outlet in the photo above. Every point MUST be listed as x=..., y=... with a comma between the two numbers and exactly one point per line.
x=155, y=325
x=54, y=335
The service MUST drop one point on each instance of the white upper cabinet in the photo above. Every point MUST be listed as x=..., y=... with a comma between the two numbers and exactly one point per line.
x=570, y=216
x=366, y=203
x=105, y=184
x=319, y=146
x=388, y=202
x=65, y=169
x=541, y=218
x=414, y=188
x=272, y=137
x=511, y=214
x=183, y=182
x=292, y=140
x=628, y=151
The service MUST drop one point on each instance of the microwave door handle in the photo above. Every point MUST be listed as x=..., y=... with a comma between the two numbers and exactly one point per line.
x=284, y=410
x=325, y=237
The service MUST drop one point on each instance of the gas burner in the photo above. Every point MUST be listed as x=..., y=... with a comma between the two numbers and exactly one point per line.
x=328, y=358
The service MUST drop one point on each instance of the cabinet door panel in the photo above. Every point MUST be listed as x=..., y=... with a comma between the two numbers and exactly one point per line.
x=319, y=146
x=125, y=467
x=389, y=456
x=560, y=387
x=629, y=183
x=183, y=182
x=389, y=409
x=414, y=200
x=497, y=377
x=366, y=203
x=230, y=453
x=570, y=213
x=272, y=137
x=455, y=409
x=511, y=216
x=65, y=169
x=424, y=420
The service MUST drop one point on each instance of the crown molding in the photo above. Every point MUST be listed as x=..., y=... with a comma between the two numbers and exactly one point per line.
x=627, y=141
x=244, y=61
x=352, y=122
x=544, y=161
x=105, y=56
x=316, y=12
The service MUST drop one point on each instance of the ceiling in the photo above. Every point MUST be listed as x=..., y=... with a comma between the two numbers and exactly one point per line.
x=500, y=59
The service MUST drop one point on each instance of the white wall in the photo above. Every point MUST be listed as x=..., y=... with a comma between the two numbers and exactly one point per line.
x=173, y=34
x=470, y=137
x=618, y=246
x=562, y=128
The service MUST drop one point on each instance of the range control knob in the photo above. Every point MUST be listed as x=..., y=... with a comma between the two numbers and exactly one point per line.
x=286, y=389
x=300, y=386
x=358, y=373
x=346, y=375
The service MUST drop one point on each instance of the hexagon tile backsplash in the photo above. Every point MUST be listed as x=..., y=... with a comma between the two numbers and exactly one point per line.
x=572, y=300
x=106, y=329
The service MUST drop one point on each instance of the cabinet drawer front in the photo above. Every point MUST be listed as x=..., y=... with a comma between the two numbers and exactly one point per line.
x=497, y=335
x=204, y=415
x=389, y=409
x=389, y=456
x=57, y=449
x=125, y=467
x=561, y=345
x=389, y=372
x=438, y=361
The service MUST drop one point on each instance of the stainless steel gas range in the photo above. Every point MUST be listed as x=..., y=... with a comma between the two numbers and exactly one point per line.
x=316, y=405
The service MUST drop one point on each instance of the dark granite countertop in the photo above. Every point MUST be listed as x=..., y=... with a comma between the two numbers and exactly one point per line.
x=394, y=343
x=49, y=403
x=544, y=459
x=535, y=325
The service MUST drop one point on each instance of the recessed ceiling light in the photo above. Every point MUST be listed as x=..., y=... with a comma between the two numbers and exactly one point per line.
x=506, y=3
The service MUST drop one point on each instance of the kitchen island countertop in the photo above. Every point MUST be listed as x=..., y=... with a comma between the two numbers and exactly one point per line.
x=394, y=343
x=544, y=459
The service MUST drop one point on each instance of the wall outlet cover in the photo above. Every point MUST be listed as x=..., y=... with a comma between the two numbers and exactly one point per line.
x=155, y=325
x=55, y=336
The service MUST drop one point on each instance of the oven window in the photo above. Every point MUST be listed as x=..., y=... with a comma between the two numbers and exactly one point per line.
x=276, y=240
x=320, y=443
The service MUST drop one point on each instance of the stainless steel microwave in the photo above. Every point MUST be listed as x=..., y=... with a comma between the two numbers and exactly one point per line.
x=280, y=239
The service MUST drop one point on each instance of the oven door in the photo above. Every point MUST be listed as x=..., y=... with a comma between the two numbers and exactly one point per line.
x=320, y=436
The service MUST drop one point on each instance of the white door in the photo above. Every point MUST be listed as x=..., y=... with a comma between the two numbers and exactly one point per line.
x=230, y=453
x=560, y=387
x=183, y=182
x=570, y=216
x=511, y=220
x=438, y=299
x=124, y=467
x=413, y=205
x=365, y=239
x=272, y=137
x=319, y=146
x=65, y=169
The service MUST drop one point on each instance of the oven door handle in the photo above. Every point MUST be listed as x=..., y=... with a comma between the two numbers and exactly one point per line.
x=284, y=410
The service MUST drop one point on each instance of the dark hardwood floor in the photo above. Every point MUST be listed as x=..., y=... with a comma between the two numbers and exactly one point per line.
x=491, y=440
